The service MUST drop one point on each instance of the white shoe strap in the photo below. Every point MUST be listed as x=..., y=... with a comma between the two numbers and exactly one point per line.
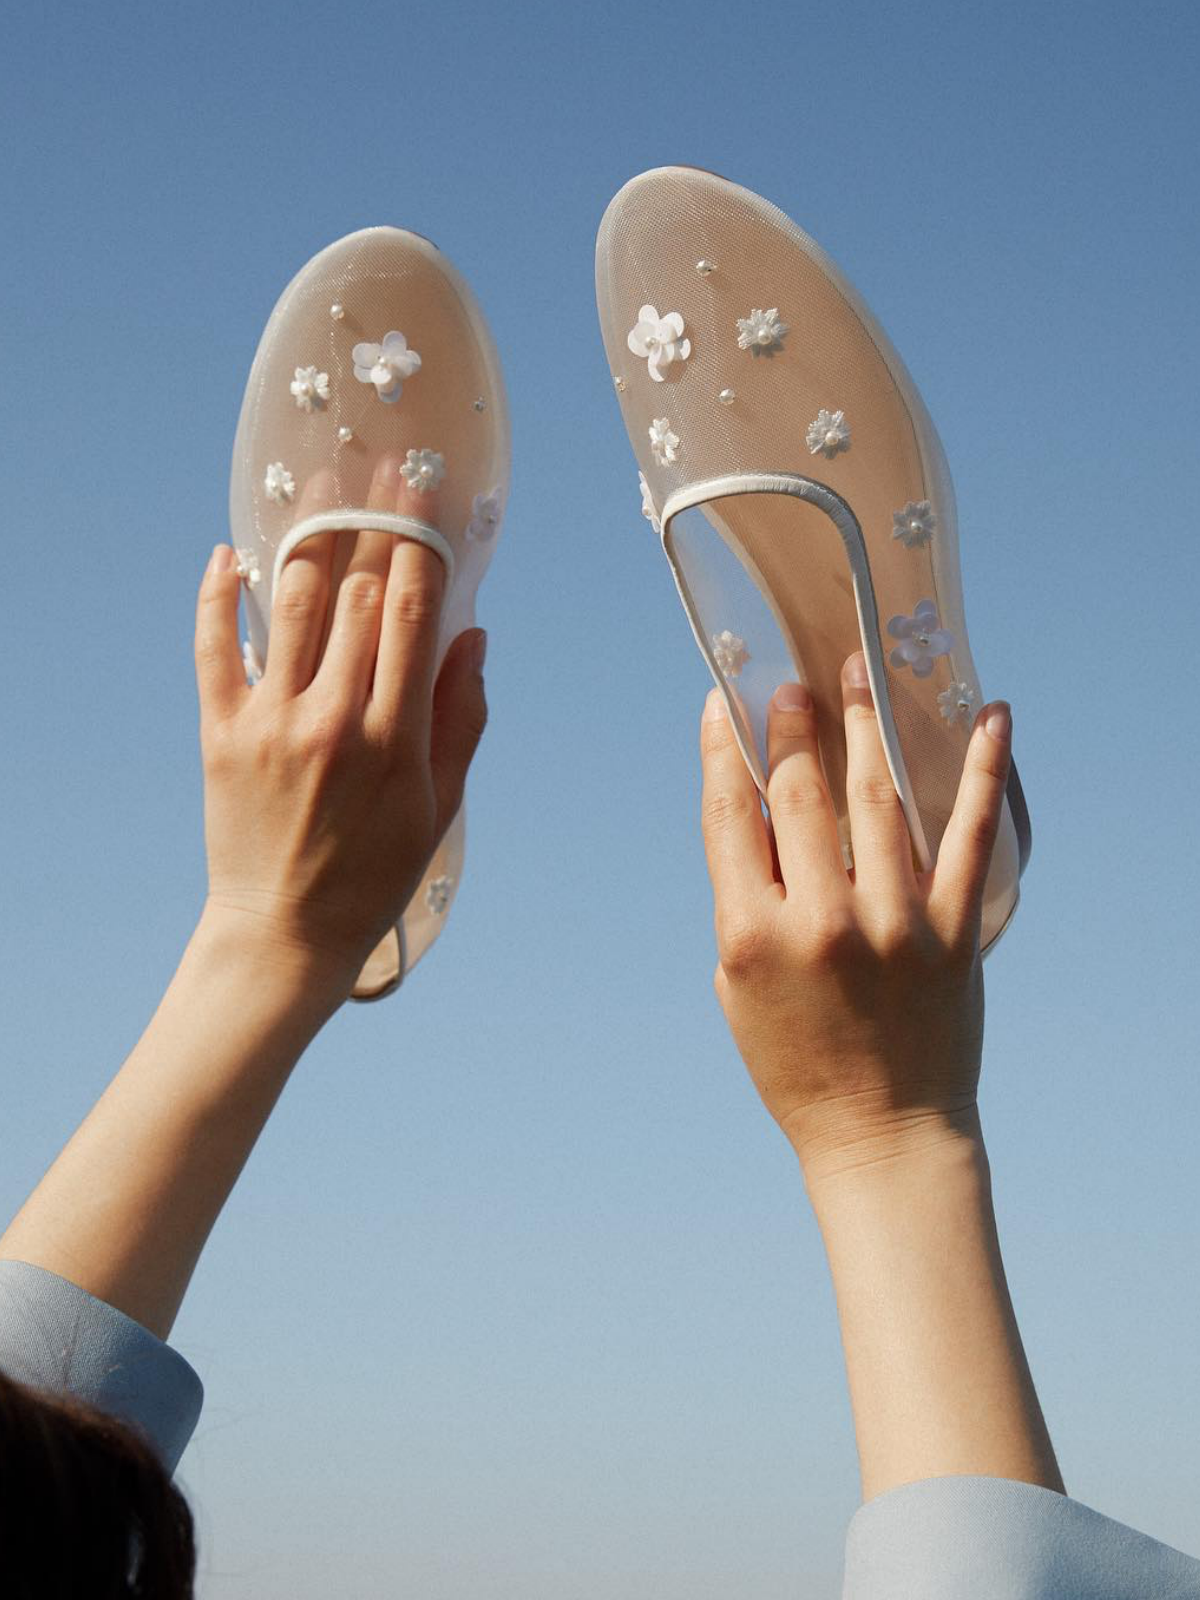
x=345, y=521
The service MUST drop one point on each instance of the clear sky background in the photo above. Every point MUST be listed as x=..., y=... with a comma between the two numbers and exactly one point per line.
x=520, y=1297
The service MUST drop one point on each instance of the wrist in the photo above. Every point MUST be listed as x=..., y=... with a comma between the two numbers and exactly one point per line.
x=282, y=968
x=880, y=1153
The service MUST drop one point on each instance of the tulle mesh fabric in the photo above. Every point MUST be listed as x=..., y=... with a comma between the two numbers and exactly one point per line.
x=382, y=280
x=769, y=568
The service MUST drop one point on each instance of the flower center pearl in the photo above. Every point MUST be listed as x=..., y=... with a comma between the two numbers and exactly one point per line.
x=922, y=639
x=765, y=335
x=832, y=437
x=916, y=527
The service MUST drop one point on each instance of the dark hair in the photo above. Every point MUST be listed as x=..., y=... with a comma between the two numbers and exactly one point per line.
x=86, y=1507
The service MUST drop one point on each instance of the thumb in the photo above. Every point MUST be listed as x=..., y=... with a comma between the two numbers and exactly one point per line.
x=459, y=718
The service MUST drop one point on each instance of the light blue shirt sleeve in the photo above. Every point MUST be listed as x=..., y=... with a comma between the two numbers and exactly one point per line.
x=55, y=1336
x=976, y=1538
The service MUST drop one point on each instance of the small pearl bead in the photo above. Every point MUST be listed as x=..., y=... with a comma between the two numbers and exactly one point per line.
x=337, y=311
x=727, y=397
x=765, y=336
x=480, y=404
x=620, y=383
x=345, y=435
x=705, y=267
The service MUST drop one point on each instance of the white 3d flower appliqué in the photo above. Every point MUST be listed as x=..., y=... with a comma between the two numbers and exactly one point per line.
x=485, y=516
x=957, y=702
x=247, y=567
x=914, y=525
x=386, y=365
x=649, y=510
x=659, y=340
x=730, y=653
x=310, y=388
x=761, y=332
x=922, y=639
x=252, y=662
x=279, y=483
x=663, y=442
x=437, y=895
x=828, y=433
x=423, y=470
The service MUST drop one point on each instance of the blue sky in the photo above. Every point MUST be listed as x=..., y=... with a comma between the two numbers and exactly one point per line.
x=521, y=1296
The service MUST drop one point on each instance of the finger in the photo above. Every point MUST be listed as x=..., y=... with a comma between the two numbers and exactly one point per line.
x=348, y=665
x=959, y=878
x=459, y=718
x=737, y=845
x=802, y=815
x=372, y=547
x=402, y=695
x=879, y=834
x=220, y=673
x=298, y=608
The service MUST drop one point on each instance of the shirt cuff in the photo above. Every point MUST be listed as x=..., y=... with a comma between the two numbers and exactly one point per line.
x=1000, y=1539
x=55, y=1336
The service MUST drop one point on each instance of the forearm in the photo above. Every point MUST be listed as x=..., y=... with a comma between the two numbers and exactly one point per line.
x=938, y=1379
x=126, y=1208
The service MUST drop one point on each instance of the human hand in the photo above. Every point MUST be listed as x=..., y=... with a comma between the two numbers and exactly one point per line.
x=328, y=786
x=855, y=999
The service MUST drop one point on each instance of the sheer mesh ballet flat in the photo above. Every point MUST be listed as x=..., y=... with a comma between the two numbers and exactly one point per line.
x=376, y=348
x=799, y=489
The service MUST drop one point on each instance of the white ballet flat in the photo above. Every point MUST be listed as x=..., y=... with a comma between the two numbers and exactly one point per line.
x=376, y=347
x=799, y=489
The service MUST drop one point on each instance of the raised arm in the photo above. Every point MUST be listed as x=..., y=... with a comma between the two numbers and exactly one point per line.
x=856, y=1001
x=327, y=788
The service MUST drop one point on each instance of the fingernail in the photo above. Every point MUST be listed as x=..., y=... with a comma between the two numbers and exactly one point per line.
x=714, y=706
x=999, y=720
x=221, y=559
x=387, y=472
x=792, y=697
x=856, y=671
x=479, y=649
